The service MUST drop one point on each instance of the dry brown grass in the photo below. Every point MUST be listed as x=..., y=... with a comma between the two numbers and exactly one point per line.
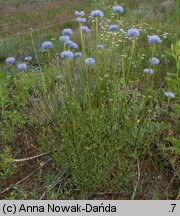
x=16, y=20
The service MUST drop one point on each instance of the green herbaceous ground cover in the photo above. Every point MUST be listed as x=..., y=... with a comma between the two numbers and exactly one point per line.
x=106, y=121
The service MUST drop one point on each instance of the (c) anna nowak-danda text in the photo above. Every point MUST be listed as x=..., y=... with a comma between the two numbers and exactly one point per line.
x=52, y=208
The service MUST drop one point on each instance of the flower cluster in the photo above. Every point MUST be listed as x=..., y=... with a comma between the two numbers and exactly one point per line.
x=79, y=13
x=10, y=60
x=90, y=61
x=47, y=45
x=100, y=46
x=113, y=27
x=67, y=54
x=133, y=32
x=78, y=55
x=67, y=32
x=149, y=71
x=97, y=13
x=85, y=29
x=22, y=67
x=64, y=38
x=154, y=61
x=154, y=39
x=118, y=9
x=81, y=19
x=170, y=94
x=71, y=44
x=28, y=58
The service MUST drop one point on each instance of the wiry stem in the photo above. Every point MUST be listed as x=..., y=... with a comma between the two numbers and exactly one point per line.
x=131, y=57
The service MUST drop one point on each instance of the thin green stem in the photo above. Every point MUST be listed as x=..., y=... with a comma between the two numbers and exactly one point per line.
x=97, y=29
x=130, y=61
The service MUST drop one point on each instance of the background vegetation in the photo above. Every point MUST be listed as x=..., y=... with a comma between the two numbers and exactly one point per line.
x=103, y=132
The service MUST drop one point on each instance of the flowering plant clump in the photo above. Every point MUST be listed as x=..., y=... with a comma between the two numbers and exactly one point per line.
x=100, y=96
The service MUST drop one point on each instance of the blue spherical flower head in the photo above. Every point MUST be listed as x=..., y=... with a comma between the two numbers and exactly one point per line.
x=74, y=45
x=90, y=61
x=71, y=44
x=22, y=67
x=64, y=38
x=118, y=9
x=79, y=13
x=85, y=29
x=133, y=32
x=154, y=61
x=10, y=60
x=67, y=54
x=113, y=27
x=78, y=55
x=28, y=58
x=97, y=13
x=100, y=46
x=149, y=71
x=47, y=45
x=80, y=20
x=67, y=32
x=170, y=94
x=154, y=39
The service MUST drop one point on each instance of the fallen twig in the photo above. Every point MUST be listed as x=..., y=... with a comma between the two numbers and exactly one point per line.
x=29, y=158
x=32, y=158
x=17, y=183
x=52, y=185
x=137, y=183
